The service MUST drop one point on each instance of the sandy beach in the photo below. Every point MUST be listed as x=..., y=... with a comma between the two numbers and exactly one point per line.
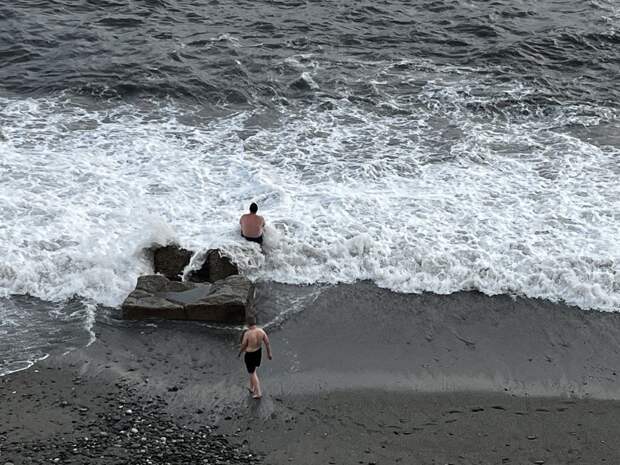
x=360, y=375
x=418, y=165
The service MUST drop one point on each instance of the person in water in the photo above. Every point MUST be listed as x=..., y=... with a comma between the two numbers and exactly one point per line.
x=251, y=343
x=252, y=225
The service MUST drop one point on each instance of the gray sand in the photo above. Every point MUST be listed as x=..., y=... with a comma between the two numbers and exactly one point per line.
x=361, y=375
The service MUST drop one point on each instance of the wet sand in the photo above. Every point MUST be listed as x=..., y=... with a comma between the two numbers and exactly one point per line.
x=360, y=375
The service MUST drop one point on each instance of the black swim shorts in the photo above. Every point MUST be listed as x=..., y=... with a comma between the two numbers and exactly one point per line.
x=252, y=360
x=258, y=239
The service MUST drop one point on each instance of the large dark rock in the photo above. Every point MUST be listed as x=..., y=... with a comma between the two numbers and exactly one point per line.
x=228, y=299
x=155, y=296
x=170, y=261
x=220, y=266
x=146, y=302
x=216, y=266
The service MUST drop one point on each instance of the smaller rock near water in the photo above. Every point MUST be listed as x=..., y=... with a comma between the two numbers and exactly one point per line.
x=215, y=267
x=170, y=261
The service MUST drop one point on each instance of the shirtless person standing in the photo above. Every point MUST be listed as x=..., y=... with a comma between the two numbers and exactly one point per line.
x=252, y=225
x=251, y=344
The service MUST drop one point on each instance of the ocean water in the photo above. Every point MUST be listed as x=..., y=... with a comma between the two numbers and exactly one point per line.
x=427, y=146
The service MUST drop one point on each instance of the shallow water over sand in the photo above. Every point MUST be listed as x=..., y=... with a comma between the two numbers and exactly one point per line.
x=425, y=146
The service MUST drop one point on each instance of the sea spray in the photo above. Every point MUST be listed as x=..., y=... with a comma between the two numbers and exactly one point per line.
x=513, y=205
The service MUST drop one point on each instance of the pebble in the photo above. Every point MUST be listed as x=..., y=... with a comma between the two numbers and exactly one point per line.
x=180, y=444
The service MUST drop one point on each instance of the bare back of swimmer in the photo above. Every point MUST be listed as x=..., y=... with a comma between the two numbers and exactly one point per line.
x=252, y=225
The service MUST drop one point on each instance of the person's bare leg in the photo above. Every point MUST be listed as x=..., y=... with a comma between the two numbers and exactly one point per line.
x=252, y=387
x=257, y=393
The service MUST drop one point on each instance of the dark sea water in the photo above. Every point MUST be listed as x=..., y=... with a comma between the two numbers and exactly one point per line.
x=249, y=54
x=426, y=146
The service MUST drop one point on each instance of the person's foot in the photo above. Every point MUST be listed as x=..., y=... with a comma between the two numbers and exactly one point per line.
x=251, y=390
x=257, y=396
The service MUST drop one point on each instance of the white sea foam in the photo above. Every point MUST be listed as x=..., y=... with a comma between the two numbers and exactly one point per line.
x=439, y=198
x=19, y=365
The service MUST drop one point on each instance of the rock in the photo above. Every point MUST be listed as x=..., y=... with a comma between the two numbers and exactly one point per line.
x=170, y=261
x=216, y=266
x=158, y=283
x=301, y=84
x=140, y=304
x=155, y=296
x=227, y=301
x=220, y=266
x=145, y=300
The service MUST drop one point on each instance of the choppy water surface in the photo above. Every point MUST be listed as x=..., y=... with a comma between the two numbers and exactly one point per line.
x=427, y=146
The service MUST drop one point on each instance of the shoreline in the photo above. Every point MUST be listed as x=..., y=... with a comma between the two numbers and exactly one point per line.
x=359, y=374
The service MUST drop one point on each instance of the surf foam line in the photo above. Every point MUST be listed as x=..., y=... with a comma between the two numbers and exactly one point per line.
x=436, y=198
x=20, y=365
